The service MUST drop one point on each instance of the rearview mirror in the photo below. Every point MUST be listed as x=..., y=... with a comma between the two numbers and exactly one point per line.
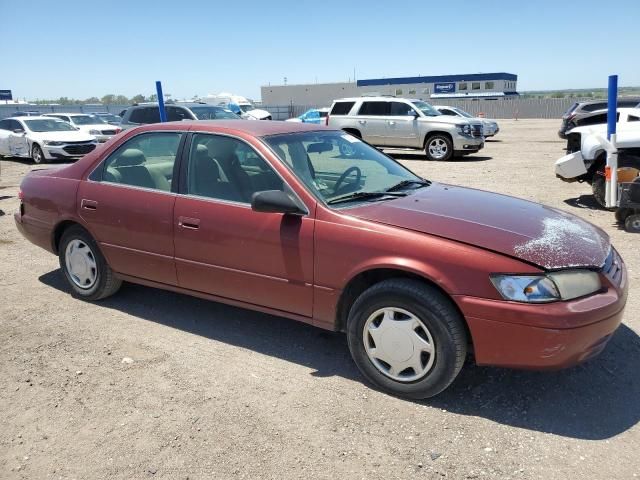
x=319, y=147
x=274, y=201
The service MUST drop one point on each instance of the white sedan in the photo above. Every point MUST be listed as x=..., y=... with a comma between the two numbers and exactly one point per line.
x=88, y=123
x=43, y=139
x=489, y=127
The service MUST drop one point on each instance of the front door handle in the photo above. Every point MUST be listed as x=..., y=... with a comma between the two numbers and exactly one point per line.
x=189, y=223
x=362, y=122
x=87, y=204
x=391, y=122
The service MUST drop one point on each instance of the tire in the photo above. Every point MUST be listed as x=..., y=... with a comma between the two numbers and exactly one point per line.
x=86, y=270
x=36, y=154
x=632, y=223
x=438, y=147
x=439, y=325
x=621, y=214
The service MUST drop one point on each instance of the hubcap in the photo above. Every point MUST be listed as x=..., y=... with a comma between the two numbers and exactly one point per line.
x=81, y=264
x=635, y=224
x=398, y=344
x=438, y=148
x=37, y=155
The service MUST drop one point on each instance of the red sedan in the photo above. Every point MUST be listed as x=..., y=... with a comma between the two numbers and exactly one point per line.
x=313, y=224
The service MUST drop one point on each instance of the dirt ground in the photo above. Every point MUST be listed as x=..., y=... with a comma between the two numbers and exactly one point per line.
x=152, y=384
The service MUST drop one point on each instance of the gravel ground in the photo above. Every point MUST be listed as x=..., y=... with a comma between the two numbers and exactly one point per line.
x=151, y=384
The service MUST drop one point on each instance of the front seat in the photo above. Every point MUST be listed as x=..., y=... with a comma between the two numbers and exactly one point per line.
x=223, y=150
x=204, y=177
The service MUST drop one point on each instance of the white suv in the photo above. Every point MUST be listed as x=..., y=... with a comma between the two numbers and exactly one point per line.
x=391, y=122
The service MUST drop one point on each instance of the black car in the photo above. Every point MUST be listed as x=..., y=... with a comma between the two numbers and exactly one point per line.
x=142, y=114
x=591, y=113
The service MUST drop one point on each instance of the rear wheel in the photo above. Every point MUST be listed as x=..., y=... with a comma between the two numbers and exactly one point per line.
x=36, y=154
x=84, y=266
x=632, y=223
x=438, y=147
x=407, y=338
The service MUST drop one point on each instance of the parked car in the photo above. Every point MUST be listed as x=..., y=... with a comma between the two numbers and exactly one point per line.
x=43, y=139
x=586, y=156
x=90, y=124
x=271, y=216
x=148, y=113
x=27, y=113
x=391, y=122
x=489, y=127
x=591, y=113
x=110, y=118
x=239, y=105
x=317, y=116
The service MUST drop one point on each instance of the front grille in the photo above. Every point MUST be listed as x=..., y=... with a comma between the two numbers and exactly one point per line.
x=612, y=268
x=80, y=149
x=476, y=131
x=108, y=132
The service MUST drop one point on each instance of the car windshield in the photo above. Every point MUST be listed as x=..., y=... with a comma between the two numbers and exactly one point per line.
x=213, y=113
x=86, y=120
x=49, y=125
x=246, y=108
x=334, y=164
x=108, y=117
x=427, y=109
x=463, y=113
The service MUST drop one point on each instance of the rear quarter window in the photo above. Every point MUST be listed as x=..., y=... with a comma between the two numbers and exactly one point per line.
x=342, y=108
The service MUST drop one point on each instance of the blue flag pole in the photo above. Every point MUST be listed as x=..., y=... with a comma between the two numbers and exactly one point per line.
x=611, y=170
x=163, y=112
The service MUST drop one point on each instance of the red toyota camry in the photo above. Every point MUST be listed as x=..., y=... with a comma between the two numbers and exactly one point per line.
x=313, y=224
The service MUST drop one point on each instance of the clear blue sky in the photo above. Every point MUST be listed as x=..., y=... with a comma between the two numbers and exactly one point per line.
x=80, y=49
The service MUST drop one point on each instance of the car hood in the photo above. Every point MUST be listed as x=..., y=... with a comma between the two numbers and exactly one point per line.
x=257, y=113
x=97, y=126
x=450, y=120
x=534, y=233
x=69, y=136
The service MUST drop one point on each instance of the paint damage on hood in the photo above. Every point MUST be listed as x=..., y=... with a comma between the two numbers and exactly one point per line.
x=540, y=235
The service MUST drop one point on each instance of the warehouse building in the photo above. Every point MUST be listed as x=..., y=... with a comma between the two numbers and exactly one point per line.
x=469, y=86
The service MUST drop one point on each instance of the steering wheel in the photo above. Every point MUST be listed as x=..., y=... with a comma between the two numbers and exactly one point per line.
x=345, y=174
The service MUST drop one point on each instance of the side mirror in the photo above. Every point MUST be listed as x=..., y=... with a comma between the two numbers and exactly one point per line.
x=413, y=114
x=18, y=130
x=274, y=201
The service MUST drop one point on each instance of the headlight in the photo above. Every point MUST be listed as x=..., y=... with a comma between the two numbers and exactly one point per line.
x=464, y=129
x=563, y=285
x=94, y=132
x=53, y=143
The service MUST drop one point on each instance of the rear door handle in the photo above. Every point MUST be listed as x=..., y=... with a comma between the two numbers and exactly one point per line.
x=391, y=122
x=189, y=223
x=362, y=122
x=87, y=204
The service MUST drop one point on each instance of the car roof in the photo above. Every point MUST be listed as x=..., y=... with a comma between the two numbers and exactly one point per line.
x=70, y=114
x=373, y=97
x=33, y=117
x=256, y=128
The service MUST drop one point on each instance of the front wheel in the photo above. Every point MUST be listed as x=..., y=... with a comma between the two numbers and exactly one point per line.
x=438, y=147
x=84, y=266
x=407, y=338
x=36, y=154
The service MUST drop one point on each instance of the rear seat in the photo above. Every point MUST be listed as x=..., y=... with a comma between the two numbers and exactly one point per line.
x=131, y=168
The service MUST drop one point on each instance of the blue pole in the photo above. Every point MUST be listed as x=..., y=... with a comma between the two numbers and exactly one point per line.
x=163, y=112
x=612, y=105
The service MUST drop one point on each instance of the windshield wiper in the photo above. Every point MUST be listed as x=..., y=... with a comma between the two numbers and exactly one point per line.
x=362, y=195
x=406, y=183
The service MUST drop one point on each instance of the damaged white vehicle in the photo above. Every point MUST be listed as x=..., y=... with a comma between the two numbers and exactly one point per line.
x=586, y=156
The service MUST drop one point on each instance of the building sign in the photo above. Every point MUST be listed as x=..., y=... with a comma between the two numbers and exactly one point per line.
x=448, y=87
x=5, y=95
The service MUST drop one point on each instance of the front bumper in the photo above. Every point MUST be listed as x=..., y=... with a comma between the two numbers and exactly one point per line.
x=463, y=143
x=544, y=336
x=62, y=151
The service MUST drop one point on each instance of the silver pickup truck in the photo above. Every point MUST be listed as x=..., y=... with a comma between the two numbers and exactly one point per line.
x=390, y=122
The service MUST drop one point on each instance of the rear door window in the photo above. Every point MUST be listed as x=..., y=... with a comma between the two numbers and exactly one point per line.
x=177, y=114
x=342, y=108
x=145, y=161
x=375, y=108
